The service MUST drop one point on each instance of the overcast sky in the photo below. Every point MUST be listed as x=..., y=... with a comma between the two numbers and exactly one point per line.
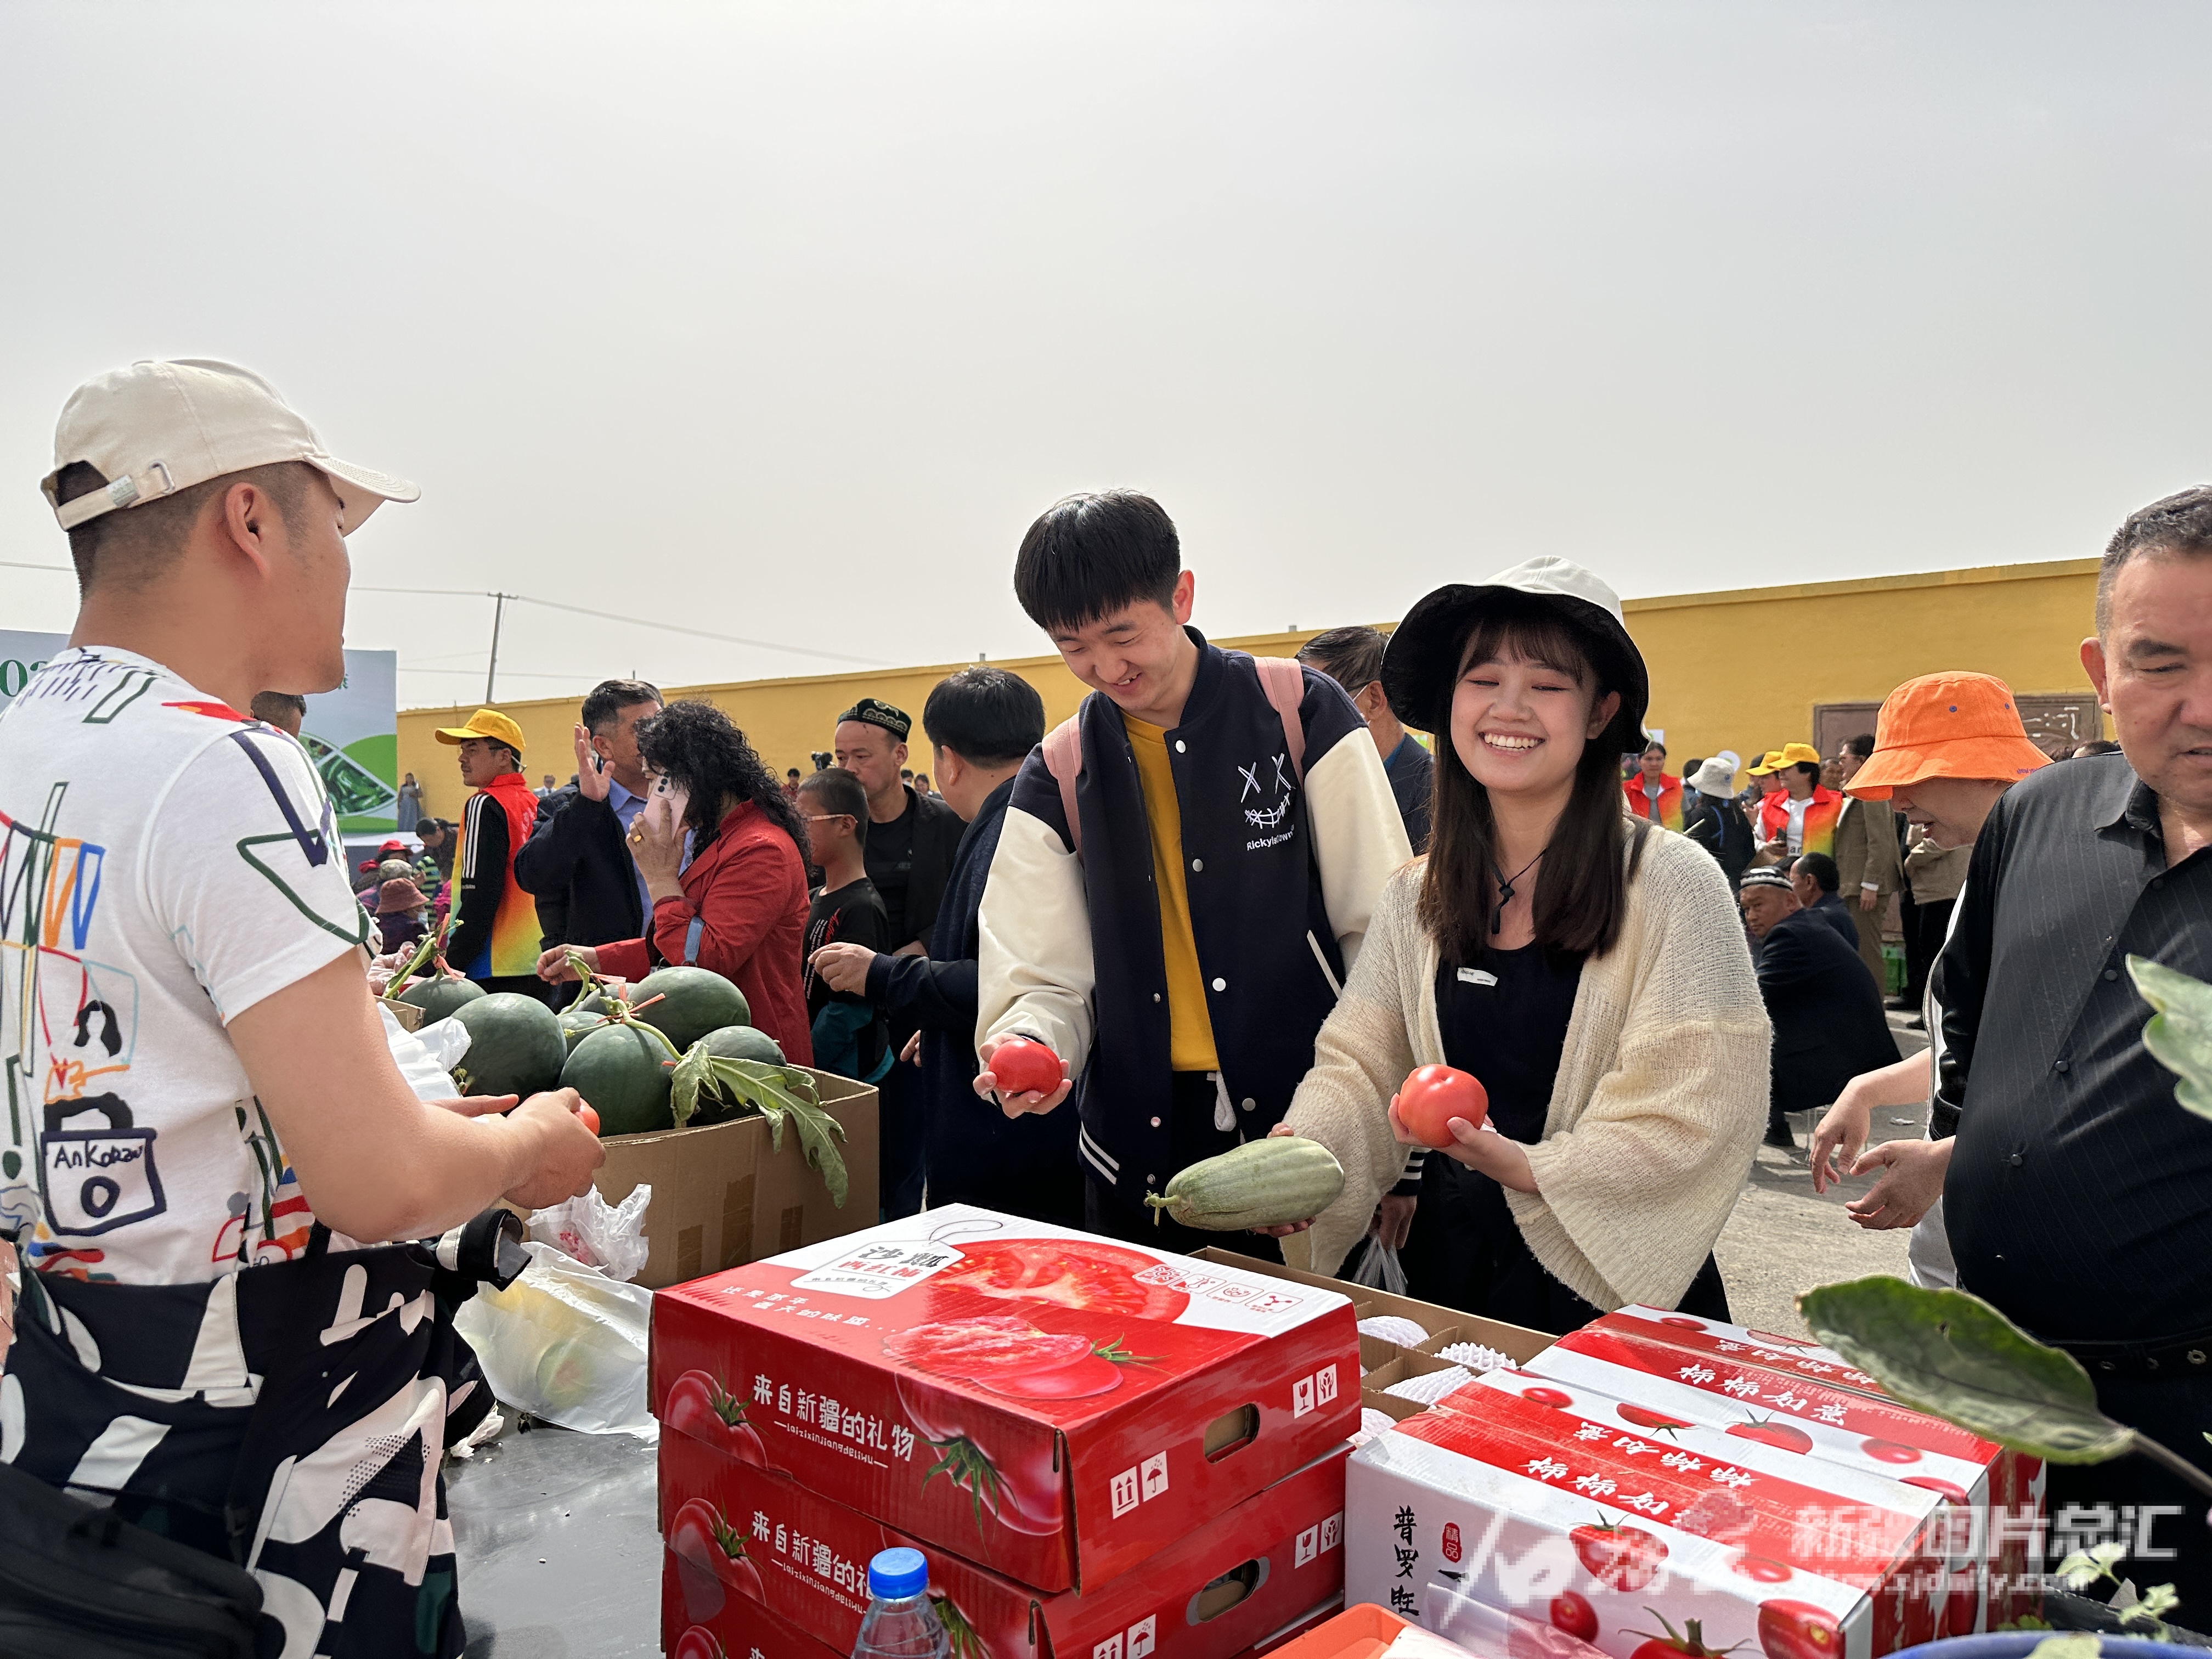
x=783, y=321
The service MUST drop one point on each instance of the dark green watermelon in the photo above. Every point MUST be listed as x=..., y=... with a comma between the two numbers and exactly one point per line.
x=516, y=1046
x=694, y=1002
x=618, y=1070
x=732, y=1042
x=577, y=1023
x=438, y=998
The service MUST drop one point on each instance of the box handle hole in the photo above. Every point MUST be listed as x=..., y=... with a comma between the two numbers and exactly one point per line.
x=1238, y=1426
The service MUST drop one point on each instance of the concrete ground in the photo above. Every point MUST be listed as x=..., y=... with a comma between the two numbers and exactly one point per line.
x=1784, y=1237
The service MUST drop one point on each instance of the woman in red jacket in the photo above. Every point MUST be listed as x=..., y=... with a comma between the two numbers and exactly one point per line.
x=739, y=907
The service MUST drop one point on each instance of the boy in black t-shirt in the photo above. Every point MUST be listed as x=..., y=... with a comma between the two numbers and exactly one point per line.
x=850, y=1037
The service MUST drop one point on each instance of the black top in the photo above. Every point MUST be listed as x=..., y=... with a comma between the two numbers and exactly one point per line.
x=853, y=915
x=2079, y=1199
x=1833, y=911
x=1411, y=771
x=579, y=868
x=890, y=856
x=1504, y=1022
x=1718, y=824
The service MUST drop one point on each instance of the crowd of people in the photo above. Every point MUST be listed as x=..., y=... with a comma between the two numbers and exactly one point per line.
x=1236, y=897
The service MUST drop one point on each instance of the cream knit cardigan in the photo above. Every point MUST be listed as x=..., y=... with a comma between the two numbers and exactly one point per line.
x=1660, y=1100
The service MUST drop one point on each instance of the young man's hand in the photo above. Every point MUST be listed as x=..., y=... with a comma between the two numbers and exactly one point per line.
x=590, y=783
x=565, y=1152
x=1840, y=1138
x=1029, y=1101
x=843, y=967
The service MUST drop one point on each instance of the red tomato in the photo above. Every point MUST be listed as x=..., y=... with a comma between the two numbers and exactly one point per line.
x=1621, y=1558
x=1773, y=1433
x=697, y=1643
x=1890, y=1451
x=1022, y=1067
x=697, y=1406
x=1683, y=1321
x=1021, y=1489
x=1087, y=1275
x=1942, y=1488
x=1079, y=1379
x=1574, y=1614
x=710, y=1558
x=1558, y=1399
x=1798, y=1630
x=592, y=1122
x=1691, y=1640
x=1645, y=1418
x=982, y=1347
x=1760, y=1568
x=1433, y=1096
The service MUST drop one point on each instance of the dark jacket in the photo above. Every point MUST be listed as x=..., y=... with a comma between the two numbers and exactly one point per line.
x=579, y=867
x=1833, y=911
x=1412, y=770
x=1024, y=1166
x=742, y=915
x=1828, y=1023
x=1283, y=876
x=937, y=832
x=1718, y=825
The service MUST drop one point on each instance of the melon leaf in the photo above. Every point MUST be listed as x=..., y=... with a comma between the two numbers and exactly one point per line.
x=1952, y=1354
x=2180, y=1034
x=778, y=1093
x=691, y=1072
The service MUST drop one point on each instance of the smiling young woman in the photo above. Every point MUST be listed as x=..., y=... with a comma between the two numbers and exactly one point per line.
x=1585, y=964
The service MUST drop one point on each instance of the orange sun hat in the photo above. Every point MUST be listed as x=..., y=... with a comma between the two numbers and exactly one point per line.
x=1952, y=724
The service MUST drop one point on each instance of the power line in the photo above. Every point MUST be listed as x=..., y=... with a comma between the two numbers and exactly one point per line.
x=635, y=621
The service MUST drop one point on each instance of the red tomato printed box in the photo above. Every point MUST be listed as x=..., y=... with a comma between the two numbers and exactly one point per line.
x=1058, y=1405
x=1610, y=1547
x=745, y=1544
x=740, y=1630
x=1995, y=1494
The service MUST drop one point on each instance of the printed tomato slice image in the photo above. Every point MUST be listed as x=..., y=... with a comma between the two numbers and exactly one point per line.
x=710, y=1558
x=1095, y=1370
x=1085, y=1275
x=1798, y=1630
x=1621, y=1558
x=989, y=1346
x=698, y=1406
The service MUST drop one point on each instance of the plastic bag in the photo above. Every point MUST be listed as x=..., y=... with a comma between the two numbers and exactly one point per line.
x=565, y=1343
x=1379, y=1270
x=427, y=1057
x=608, y=1236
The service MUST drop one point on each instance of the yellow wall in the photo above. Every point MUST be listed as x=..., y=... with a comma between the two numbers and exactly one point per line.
x=1739, y=670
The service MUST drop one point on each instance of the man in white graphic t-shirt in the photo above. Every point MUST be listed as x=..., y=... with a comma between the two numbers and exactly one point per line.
x=205, y=1137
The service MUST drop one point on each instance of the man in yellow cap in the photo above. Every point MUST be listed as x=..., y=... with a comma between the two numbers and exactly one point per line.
x=1801, y=816
x=496, y=940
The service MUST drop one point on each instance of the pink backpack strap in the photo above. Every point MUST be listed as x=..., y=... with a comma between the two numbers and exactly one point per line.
x=1285, y=682
x=1063, y=758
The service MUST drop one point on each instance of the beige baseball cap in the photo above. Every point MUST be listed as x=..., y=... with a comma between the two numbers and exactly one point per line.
x=158, y=427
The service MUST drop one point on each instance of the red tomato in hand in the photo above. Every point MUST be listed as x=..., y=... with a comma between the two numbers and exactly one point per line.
x=1024, y=1067
x=1574, y=1614
x=592, y=1122
x=1798, y=1630
x=1621, y=1558
x=1433, y=1096
x=696, y=1405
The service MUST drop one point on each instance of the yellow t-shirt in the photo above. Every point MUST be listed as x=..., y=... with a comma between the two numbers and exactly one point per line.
x=1190, y=1027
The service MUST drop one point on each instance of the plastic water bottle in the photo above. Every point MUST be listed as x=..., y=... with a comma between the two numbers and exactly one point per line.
x=899, y=1623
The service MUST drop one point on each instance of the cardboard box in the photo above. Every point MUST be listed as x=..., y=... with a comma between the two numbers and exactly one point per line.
x=1602, y=1543
x=724, y=1194
x=1517, y=1342
x=1366, y=1631
x=737, y=1629
x=1058, y=1405
x=744, y=1540
x=1827, y=1420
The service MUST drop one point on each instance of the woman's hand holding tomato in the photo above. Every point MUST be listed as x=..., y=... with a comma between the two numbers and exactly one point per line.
x=1484, y=1149
x=1027, y=1085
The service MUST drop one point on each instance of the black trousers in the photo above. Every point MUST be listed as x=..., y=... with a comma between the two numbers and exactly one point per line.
x=1122, y=1212
x=2088, y=1504
x=1925, y=926
x=1465, y=1251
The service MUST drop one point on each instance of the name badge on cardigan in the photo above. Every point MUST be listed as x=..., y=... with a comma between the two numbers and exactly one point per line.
x=1476, y=976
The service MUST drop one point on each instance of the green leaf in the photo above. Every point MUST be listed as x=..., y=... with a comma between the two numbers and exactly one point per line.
x=691, y=1072
x=782, y=1093
x=1952, y=1355
x=2180, y=1034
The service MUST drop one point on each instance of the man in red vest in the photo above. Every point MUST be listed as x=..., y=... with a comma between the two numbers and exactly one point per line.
x=1653, y=791
x=1801, y=816
x=496, y=941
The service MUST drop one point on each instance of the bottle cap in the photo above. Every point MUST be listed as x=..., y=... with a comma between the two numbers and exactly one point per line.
x=897, y=1573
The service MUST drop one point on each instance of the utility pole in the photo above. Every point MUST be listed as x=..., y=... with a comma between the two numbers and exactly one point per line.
x=491, y=674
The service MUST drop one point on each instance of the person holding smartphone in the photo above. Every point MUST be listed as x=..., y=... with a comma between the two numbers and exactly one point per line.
x=576, y=862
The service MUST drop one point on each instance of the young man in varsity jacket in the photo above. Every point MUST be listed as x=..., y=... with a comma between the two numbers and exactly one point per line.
x=1178, y=943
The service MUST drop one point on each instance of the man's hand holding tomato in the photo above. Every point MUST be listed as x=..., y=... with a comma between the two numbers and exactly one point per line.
x=1015, y=1102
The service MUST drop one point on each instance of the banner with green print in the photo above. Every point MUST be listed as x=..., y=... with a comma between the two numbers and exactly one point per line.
x=352, y=734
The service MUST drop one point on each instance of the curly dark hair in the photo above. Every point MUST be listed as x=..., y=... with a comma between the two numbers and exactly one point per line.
x=699, y=749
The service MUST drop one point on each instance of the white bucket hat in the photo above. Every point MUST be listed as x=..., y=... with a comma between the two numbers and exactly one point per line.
x=158, y=426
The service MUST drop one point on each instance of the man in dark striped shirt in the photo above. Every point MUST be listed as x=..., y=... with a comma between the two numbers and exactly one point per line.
x=2078, y=1192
